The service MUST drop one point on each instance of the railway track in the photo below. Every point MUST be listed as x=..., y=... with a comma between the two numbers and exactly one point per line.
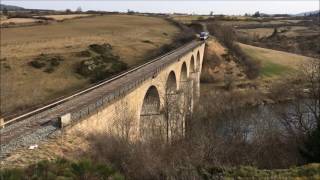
x=23, y=126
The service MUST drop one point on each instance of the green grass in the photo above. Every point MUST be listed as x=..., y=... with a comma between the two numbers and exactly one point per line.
x=62, y=169
x=270, y=69
x=274, y=63
x=88, y=169
x=309, y=171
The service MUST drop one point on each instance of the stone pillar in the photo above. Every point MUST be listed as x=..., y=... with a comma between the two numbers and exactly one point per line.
x=186, y=103
x=196, y=86
x=172, y=115
x=152, y=126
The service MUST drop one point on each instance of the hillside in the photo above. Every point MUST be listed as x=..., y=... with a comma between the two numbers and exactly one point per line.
x=10, y=7
x=312, y=13
x=273, y=62
x=132, y=38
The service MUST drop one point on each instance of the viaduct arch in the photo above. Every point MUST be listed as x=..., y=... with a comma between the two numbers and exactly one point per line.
x=159, y=106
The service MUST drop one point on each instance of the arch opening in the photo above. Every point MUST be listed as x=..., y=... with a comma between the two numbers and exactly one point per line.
x=192, y=65
x=184, y=73
x=171, y=84
x=198, y=61
x=151, y=102
x=152, y=124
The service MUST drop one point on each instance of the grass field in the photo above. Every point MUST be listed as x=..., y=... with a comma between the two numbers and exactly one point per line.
x=275, y=63
x=19, y=20
x=290, y=31
x=259, y=32
x=188, y=18
x=67, y=16
x=23, y=86
x=33, y=20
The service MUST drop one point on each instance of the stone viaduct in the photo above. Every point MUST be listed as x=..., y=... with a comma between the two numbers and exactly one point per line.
x=152, y=100
x=159, y=106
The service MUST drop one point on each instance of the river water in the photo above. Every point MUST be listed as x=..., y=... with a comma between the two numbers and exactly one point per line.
x=283, y=119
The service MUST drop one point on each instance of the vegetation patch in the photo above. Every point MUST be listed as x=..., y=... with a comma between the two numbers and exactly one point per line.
x=307, y=171
x=226, y=35
x=275, y=63
x=101, y=49
x=186, y=35
x=47, y=62
x=269, y=69
x=63, y=169
x=85, y=53
x=101, y=63
x=147, y=41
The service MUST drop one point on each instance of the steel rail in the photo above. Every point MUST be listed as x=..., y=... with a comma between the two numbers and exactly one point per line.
x=45, y=107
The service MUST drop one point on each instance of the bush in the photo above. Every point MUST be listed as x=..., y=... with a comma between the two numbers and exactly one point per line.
x=63, y=169
x=147, y=41
x=48, y=61
x=311, y=148
x=85, y=53
x=186, y=35
x=19, y=15
x=101, y=64
x=37, y=64
x=119, y=66
x=100, y=49
x=197, y=27
x=50, y=69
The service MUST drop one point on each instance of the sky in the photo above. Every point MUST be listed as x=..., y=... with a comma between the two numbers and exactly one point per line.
x=230, y=7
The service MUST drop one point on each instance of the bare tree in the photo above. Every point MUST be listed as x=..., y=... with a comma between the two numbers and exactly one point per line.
x=79, y=9
x=125, y=120
x=68, y=11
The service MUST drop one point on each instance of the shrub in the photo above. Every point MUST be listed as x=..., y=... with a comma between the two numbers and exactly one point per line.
x=11, y=174
x=311, y=148
x=63, y=169
x=101, y=64
x=147, y=41
x=37, y=64
x=100, y=49
x=197, y=27
x=85, y=53
x=119, y=66
x=19, y=15
x=48, y=61
x=49, y=69
x=186, y=35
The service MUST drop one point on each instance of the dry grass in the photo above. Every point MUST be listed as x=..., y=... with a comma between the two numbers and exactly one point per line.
x=67, y=16
x=188, y=18
x=291, y=60
x=295, y=31
x=69, y=146
x=217, y=70
x=22, y=85
x=19, y=20
x=288, y=31
x=259, y=32
x=275, y=63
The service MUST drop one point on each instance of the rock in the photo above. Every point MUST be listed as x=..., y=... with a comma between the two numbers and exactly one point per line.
x=33, y=146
